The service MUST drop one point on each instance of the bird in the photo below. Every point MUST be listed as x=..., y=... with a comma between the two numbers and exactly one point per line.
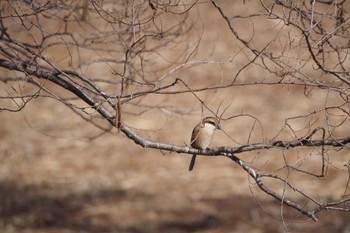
x=202, y=134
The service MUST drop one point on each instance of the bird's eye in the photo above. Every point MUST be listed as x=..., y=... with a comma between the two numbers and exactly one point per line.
x=212, y=123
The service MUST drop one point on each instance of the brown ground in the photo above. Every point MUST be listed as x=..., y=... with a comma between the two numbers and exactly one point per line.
x=54, y=179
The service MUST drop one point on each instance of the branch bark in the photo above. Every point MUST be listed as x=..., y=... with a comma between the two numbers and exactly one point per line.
x=229, y=152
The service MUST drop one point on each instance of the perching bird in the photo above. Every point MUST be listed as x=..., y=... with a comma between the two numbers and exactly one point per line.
x=202, y=135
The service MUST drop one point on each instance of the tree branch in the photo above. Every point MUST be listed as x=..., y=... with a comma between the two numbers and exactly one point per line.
x=218, y=151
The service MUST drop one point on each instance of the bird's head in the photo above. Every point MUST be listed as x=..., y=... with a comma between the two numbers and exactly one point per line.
x=211, y=121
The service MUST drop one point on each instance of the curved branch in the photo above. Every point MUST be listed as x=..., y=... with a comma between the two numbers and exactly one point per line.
x=55, y=78
x=218, y=151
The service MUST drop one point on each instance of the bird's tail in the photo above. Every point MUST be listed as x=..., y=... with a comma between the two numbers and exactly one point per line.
x=193, y=160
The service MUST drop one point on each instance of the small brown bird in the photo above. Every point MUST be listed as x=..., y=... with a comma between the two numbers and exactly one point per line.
x=202, y=135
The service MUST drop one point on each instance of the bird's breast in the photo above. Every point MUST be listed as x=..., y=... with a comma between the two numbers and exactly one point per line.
x=201, y=137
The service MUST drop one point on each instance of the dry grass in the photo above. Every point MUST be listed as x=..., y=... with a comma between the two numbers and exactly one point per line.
x=53, y=178
x=55, y=183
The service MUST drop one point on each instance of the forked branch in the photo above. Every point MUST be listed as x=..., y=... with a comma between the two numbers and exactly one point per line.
x=231, y=152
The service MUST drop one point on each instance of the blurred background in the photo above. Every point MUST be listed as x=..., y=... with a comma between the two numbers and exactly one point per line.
x=60, y=173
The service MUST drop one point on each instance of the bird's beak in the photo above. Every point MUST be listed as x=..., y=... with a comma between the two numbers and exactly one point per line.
x=218, y=127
